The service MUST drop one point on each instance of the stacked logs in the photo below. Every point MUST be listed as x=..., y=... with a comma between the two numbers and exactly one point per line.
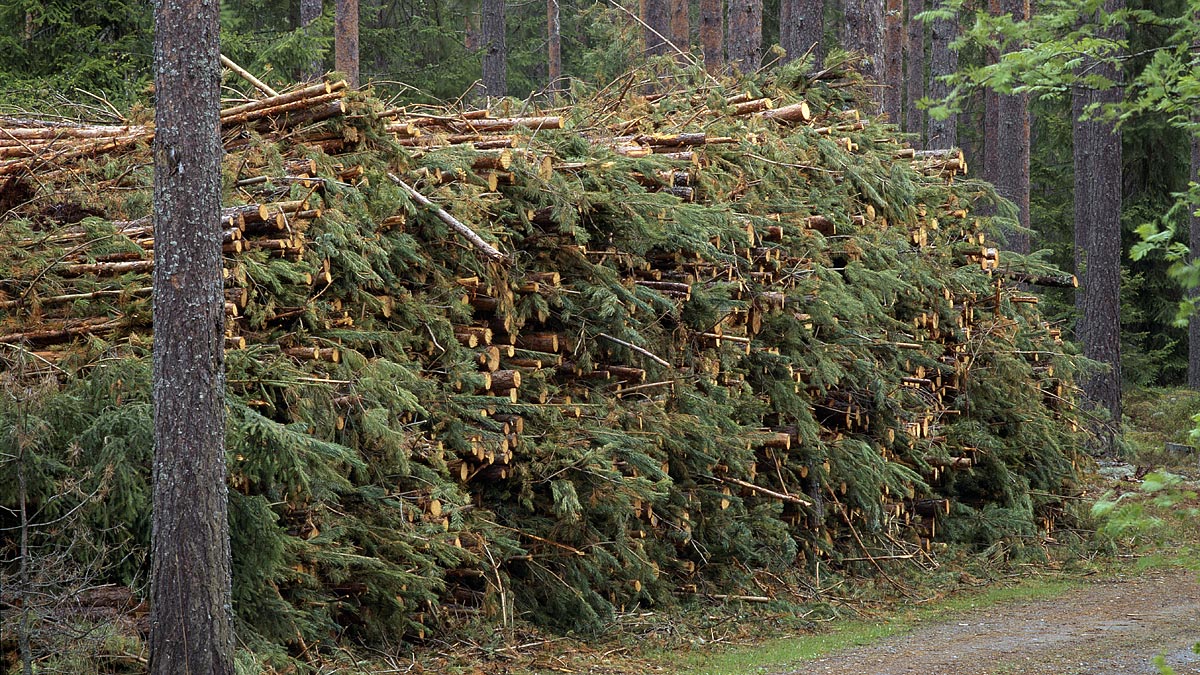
x=626, y=352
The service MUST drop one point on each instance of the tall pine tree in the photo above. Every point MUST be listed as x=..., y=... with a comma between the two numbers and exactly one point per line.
x=191, y=568
x=744, y=34
x=1097, y=160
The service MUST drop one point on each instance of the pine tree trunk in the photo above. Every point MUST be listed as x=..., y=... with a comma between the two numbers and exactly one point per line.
x=345, y=40
x=914, y=117
x=310, y=10
x=1194, y=243
x=495, y=53
x=680, y=25
x=656, y=28
x=991, y=117
x=942, y=61
x=554, y=31
x=801, y=25
x=744, y=34
x=1012, y=143
x=712, y=34
x=893, y=60
x=862, y=32
x=1097, y=159
x=191, y=605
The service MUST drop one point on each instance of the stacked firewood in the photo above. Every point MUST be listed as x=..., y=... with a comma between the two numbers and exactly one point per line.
x=629, y=342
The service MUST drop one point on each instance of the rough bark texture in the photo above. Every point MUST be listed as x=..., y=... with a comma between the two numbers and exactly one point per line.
x=310, y=10
x=680, y=25
x=554, y=47
x=656, y=26
x=192, y=618
x=744, y=34
x=801, y=26
x=1194, y=243
x=1011, y=161
x=914, y=66
x=345, y=40
x=1097, y=159
x=942, y=61
x=991, y=116
x=712, y=34
x=495, y=52
x=862, y=31
x=893, y=60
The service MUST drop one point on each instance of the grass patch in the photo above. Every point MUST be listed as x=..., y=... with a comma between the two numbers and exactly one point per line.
x=781, y=653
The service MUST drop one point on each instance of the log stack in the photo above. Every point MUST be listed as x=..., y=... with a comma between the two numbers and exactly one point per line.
x=575, y=360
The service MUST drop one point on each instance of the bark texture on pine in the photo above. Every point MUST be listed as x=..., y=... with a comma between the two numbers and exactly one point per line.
x=1012, y=143
x=1097, y=160
x=862, y=32
x=345, y=40
x=656, y=26
x=310, y=10
x=743, y=39
x=942, y=61
x=914, y=67
x=680, y=25
x=801, y=27
x=191, y=625
x=712, y=34
x=893, y=60
x=1194, y=243
x=495, y=51
x=554, y=47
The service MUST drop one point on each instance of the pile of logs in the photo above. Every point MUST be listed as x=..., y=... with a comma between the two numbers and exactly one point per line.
x=643, y=311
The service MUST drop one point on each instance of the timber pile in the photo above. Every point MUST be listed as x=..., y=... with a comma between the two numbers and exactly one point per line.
x=560, y=363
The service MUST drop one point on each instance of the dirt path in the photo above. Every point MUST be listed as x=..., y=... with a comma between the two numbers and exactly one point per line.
x=1114, y=627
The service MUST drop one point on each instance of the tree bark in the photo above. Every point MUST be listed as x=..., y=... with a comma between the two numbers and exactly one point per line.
x=191, y=605
x=1097, y=159
x=712, y=35
x=554, y=30
x=656, y=26
x=801, y=25
x=914, y=117
x=893, y=60
x=310, y=10
x=1194, y=243
x=744, y=34
x=345, y=40
x=862, y=32
x=942, y=61
x=681, y=29
x=495, y=52
x=1011, y=157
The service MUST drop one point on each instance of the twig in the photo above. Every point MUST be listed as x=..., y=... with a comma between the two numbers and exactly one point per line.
x=770, y=493
x=258, y=84
x=643, y=352
x=488, y=250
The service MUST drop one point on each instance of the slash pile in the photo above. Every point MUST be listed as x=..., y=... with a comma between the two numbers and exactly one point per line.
x=499, y=365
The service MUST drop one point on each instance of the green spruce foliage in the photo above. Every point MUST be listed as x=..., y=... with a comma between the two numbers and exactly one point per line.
x=788, y=346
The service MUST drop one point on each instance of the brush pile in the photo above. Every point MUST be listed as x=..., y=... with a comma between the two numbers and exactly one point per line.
x=498, y=365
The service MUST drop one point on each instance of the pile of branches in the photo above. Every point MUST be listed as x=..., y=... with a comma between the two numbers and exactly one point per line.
x=490, y=365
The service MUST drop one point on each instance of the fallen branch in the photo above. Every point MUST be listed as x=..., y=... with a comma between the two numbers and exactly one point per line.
x=258, y=84
x=770, y=493
x=637, y=349
x=488, y=250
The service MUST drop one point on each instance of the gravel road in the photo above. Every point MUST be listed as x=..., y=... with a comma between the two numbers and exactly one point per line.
x=1111, y=627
